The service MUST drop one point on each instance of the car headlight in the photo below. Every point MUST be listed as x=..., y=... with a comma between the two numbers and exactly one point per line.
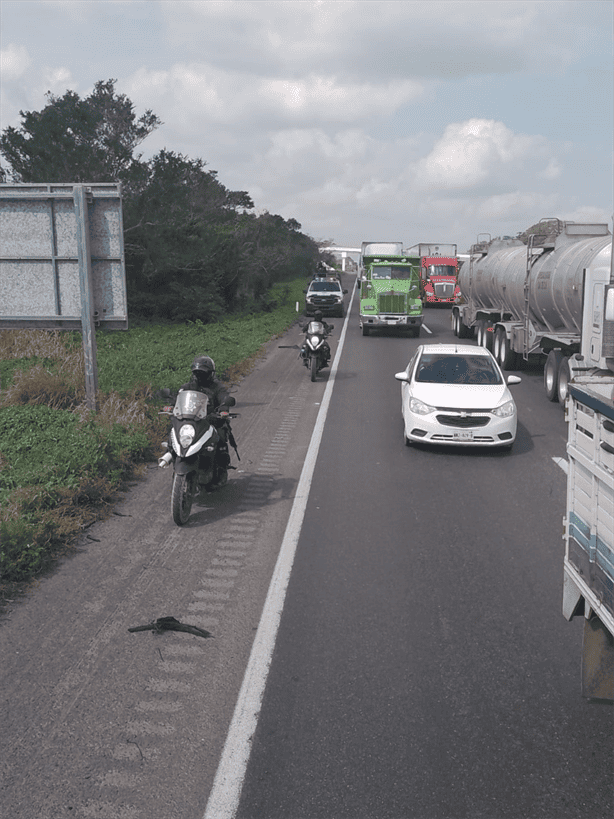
x=505, y=410
x=186, y=435
x=419, y=407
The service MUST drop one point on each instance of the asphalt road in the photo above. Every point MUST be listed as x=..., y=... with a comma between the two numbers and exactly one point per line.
x=422, y=670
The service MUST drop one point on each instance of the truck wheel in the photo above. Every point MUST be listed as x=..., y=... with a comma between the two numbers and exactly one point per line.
x=551, y=374
x=480, y=333
x=365, y=330
x=503, y=351
x=463, y=330
x=485, y=338
x=564, y=379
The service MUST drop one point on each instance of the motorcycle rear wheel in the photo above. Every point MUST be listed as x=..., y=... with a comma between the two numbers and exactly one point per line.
x=182, y=495
x=313, y=367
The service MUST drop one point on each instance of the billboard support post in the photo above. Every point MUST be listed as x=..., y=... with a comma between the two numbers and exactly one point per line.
x=88, y=326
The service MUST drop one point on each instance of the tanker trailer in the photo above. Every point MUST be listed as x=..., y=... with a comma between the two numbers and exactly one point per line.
x=525, y=302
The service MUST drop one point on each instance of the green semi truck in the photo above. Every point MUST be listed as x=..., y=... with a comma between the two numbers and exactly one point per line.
x=389, y=289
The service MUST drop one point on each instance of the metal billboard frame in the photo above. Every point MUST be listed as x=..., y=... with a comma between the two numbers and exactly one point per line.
x=62, y=263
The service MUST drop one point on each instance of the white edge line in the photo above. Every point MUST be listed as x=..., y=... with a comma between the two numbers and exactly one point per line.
x=224, y=798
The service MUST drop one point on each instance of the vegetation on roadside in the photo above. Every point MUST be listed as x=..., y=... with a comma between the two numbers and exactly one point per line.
x=194, y=250
x=61, y=464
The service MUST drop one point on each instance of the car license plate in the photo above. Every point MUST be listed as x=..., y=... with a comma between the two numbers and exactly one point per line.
x=392, y=321
x=465, y=435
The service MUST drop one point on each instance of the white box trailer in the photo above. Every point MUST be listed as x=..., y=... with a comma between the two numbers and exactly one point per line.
x=588, y=584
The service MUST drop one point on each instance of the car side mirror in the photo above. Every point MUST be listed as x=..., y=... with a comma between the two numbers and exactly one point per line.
x=402, y=377
x=514, y=379
x=304, y=291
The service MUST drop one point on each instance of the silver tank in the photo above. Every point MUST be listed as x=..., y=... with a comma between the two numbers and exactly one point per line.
x=496, y=281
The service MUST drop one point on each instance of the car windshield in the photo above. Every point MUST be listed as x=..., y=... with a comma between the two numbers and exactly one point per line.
x=442, y=368
x=391, y=272
x=328, y=287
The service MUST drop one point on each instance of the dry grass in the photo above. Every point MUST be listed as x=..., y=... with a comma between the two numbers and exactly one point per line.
x=47, y=523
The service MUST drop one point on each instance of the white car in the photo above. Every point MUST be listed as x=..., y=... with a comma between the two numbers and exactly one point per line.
x=456, y=394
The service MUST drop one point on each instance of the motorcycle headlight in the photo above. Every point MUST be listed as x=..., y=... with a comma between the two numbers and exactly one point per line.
x=505, y=410
x=419, y=407
x=186, y=435
x=314, y=341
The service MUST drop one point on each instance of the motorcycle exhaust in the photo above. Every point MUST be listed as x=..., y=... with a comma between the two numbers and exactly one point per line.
x=165, y=460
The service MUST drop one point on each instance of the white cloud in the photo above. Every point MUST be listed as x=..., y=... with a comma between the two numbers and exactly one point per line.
x=552, y=170
x=588, y=214
x=374, y=40
x=476, y=151
x=198, y=94
x=14, y=60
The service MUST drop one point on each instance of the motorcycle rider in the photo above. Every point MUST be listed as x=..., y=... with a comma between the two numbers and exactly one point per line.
x=203, y=380
x=317, y=316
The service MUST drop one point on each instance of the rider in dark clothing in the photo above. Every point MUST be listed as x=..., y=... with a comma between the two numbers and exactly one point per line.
x=317, y=316
x=204, y=380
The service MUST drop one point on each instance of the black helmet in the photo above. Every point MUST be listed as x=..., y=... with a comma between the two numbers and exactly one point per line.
x=317, y=315
x=203, y=366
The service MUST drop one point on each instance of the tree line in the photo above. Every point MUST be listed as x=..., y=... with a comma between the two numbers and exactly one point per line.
x=193, y=248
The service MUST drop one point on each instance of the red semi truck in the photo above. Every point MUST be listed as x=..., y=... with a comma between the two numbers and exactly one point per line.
x=438, y=272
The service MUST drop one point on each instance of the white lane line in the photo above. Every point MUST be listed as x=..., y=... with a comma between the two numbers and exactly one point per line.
x=428, y=330
x=563, y=463
x=226, y=791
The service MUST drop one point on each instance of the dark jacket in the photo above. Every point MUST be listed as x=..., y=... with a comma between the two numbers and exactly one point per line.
x=220, y=399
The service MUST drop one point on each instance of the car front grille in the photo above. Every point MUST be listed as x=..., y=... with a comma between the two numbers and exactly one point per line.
x=464, y=422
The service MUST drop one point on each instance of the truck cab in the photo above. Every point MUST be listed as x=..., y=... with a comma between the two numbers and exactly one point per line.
x=389, y=289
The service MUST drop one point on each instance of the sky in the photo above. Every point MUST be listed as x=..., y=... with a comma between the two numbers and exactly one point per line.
x=364, y=121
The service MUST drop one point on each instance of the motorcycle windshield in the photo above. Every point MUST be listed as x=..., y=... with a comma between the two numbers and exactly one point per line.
x=315, y=328
x=191, y=404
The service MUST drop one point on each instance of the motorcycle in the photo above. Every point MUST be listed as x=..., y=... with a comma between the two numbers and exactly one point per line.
x=198, y=449
x=315, y=351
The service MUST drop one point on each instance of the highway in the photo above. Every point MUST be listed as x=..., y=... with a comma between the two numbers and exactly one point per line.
x=422, y=668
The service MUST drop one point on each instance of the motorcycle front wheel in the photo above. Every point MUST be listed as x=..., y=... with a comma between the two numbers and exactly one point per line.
x=313, y=364
x=181, y=497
